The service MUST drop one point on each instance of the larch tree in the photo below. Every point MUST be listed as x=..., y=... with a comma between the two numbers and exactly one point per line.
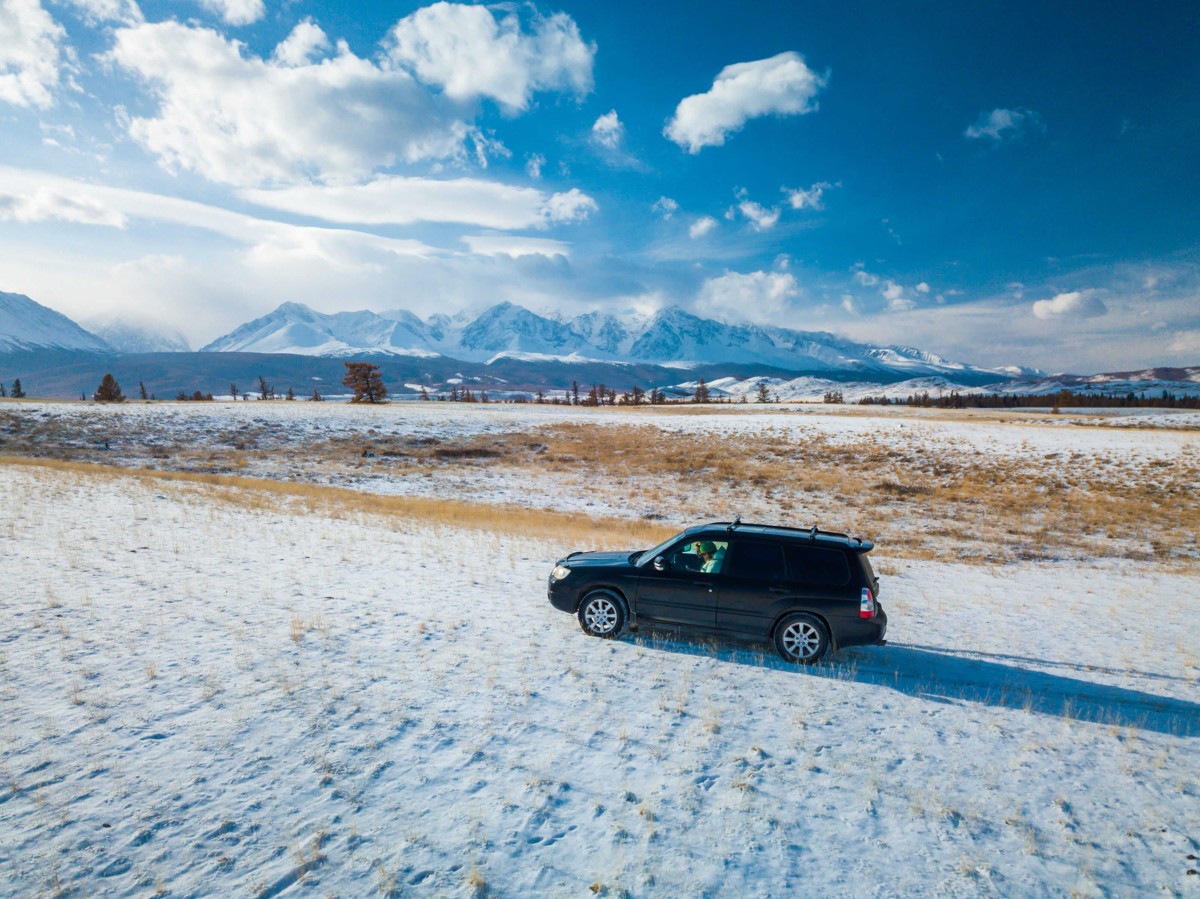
x=365, y=380
x=109, y=391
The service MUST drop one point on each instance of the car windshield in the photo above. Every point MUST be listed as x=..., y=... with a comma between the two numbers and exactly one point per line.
x=649, y=554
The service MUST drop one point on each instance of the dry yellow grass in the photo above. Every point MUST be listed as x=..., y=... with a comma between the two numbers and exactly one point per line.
x=914, y=497
x=337, y=501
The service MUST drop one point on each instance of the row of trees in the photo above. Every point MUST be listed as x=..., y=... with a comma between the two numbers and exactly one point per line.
x=1059, y=400
x=110, y=391
x=16, y=393
x=366, y=385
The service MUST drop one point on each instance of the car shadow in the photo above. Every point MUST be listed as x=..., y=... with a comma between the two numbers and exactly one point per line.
x=947, y=676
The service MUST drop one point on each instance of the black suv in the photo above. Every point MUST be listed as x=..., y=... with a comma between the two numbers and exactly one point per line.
x=804, y=591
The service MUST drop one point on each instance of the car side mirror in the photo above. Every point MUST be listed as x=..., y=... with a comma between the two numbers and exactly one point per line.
x=660, y=564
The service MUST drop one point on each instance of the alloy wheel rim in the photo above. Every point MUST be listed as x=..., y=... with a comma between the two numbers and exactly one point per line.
x=601, y=615
x=801, y=640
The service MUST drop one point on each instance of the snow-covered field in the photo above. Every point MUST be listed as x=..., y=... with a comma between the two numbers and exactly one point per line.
x=206, y=697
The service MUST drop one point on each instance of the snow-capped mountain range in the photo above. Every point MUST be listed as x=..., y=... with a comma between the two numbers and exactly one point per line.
x=26, y=325
x=508, y=344
x=668, y=337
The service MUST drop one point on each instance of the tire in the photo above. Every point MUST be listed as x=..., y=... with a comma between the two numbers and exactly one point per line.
x=802, y=638
x=602, y=614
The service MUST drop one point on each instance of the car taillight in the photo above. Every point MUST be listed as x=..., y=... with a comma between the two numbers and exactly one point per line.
x=866, y=605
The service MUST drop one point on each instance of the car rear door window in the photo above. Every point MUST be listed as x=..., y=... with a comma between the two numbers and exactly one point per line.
x=755, y=561
x=817, y=566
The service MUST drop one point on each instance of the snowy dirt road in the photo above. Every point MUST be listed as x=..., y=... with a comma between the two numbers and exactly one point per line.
x=200, y=697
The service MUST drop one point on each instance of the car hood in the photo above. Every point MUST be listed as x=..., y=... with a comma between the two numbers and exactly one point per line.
x=596, y=560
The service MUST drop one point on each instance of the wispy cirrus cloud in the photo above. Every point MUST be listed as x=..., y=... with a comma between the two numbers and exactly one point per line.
x=1004, y=124
x=97, y=11
x=397, y=200
x=780, y=85
x=43, y=204
x=515, y=247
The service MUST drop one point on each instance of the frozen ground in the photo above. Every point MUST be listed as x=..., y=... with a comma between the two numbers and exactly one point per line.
x=206, y=698
x=336, y=443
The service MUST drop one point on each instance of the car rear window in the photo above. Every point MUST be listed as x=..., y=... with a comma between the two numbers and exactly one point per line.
x=821, y=567
x=759, y=561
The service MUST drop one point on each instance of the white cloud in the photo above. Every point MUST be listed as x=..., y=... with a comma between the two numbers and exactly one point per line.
x=487, y=146
x=762, y=218
x=97, y=11
x=241, y=120
x=608, y=130
x=333, y=250
x=534, y=164
x=1075, y=304
x=756, y=296
x=236, y=12
x=896, y=296
x=396, y=200
x=572, y=206
x=702, y=226
x=30, y=54
x=46, y=205
x=243, y=229
x=896, y=299
x=1186, y=343
x=306, y=41
x=514, y=247
x=813, y=198
x=469, y=53
x=781, y=85
x=1002, y=124
x=665, y=207
x=865, y=278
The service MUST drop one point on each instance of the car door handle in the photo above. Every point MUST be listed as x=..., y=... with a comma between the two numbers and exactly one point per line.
x=779, y=590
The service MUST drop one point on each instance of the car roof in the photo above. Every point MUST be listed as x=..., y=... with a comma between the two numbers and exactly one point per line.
x=812, y=535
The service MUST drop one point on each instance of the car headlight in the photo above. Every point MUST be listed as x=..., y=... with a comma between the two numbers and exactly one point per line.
x=560, y=572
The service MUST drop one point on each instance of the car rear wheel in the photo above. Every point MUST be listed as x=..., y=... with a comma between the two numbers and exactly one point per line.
x=802, y=638
x=602, y=614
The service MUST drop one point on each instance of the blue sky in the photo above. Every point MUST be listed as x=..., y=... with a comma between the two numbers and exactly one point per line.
x=1003, y=183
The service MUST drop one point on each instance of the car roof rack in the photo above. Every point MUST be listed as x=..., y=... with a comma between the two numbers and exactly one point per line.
x=812, y=533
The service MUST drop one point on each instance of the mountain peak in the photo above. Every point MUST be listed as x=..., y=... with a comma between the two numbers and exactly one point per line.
x=28, y=325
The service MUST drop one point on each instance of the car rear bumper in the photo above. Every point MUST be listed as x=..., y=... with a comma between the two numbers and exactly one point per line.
x=863, y=631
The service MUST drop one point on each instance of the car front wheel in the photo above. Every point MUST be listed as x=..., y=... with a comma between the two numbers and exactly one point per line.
x=601, y=614
x=802, y=638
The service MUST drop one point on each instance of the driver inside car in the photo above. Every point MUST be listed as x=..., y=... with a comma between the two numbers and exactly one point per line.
x=707, y=550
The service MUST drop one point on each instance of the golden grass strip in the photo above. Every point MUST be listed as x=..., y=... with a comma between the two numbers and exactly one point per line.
x=576, y=529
